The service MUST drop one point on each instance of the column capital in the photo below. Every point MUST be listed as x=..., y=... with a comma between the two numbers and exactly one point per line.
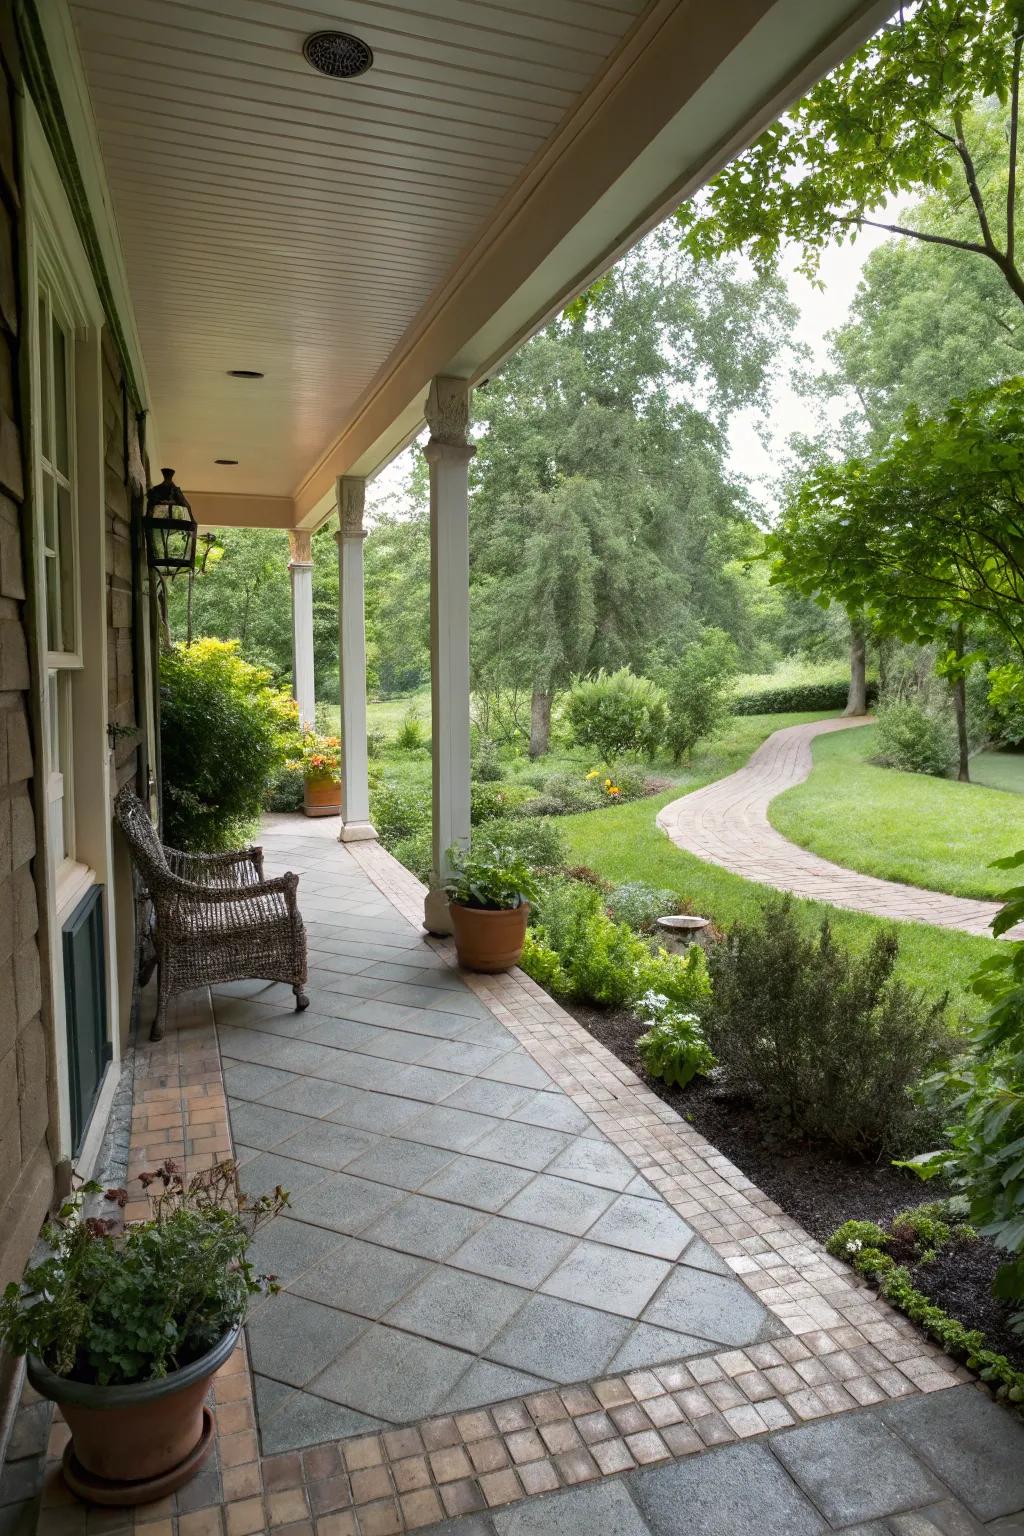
x=351, y=505
x=300, y=546
x=447, y=411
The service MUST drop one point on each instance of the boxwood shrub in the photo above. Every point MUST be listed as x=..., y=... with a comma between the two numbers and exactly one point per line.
x=793, y=697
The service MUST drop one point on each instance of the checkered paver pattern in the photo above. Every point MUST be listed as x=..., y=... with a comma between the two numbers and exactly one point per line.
x=727, y=824
x=836, y=1352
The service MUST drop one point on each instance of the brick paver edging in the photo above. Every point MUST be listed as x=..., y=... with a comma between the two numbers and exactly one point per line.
x=726, y=823
x=844, y=1348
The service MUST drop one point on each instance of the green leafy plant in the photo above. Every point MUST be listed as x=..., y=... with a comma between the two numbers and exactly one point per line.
x=494, y=799
x=697, y=691
x=565, y=794
x=640, y=905
x=225, y=733
x=109, y=1306
x=789, y=698
x=616, y=712
x=486, y=762
x=673, y=1048
x=825, y=1041
x=416, y=852
x=541, y=962
x=915, y=739
x=319, y=757
x=1006, y=703
x=410, y=736
x=490, y=877
x=398, y=811
x=535, y=839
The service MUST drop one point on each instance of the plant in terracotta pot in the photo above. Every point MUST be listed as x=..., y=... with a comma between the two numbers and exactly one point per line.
x=320, y=761
x=124, y=1327
x=489, y=895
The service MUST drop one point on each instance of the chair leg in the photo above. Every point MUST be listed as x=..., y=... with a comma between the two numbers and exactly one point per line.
x=301, y=999
x=162, y=999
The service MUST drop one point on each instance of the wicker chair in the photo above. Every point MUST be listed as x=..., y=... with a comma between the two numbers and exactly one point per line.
x=216, y=917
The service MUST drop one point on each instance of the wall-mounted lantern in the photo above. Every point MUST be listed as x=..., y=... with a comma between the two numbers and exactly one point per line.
x=171, y=529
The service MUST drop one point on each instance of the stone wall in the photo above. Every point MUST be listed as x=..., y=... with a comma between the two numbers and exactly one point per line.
x=26, y=1174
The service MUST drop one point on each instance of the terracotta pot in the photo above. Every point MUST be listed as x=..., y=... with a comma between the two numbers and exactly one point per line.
x=488, y=941
x=134, y=1438
x=322, y=797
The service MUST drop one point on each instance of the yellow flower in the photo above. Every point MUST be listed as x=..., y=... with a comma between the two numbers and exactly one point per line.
x=593, y=774
x=612, y=790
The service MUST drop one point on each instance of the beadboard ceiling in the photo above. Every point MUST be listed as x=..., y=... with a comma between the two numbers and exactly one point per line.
x=276, y=220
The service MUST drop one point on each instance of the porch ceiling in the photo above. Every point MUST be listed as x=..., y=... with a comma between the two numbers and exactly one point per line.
x=351, y=239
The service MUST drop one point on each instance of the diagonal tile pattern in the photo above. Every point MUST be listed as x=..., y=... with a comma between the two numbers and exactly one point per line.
x=460, y=1231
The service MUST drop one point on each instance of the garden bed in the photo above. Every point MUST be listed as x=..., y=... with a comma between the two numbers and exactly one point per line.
x=819, y=1188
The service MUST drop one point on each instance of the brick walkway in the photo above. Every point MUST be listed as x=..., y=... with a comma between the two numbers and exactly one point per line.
x=726, y=823
x=447, y=1351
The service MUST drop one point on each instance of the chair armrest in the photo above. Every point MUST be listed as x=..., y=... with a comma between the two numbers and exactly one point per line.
x=218, y=895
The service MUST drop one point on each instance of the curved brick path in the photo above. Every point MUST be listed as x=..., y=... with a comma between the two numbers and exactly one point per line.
x=727, y=824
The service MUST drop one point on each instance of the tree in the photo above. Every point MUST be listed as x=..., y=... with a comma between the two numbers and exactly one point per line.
x=898, y=115
x=696, y=689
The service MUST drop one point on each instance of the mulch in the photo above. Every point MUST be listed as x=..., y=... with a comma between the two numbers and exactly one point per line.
x=819, y=1188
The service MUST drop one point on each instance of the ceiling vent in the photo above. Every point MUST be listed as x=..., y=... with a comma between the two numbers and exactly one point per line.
x=337, y=54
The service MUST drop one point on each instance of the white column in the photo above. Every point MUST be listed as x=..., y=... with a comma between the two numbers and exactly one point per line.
x=448, y=453
x=355, y=792
x=300, y=568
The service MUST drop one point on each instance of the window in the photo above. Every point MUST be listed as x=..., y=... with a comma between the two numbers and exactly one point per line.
x=56, y=349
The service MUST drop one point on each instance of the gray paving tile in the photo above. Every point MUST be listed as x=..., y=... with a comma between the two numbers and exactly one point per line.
x=304, y=1419
x=609, y=1278
x=400, y=1045
x=361, y=1278
x=854, y=1468
x=726, y=1492
x=327, y=1144
x=369, y=1111
x=426, y=1083
x=525, y=1146
x=444, y=1126
x=476, y=1181
x=344, y=1204
x=445, y=999
x=486, y=1383
x=603, y=1509
x=648, y=1346
x=343, y=964
x=595, y=1162
x=700, y=1255
x=555, y=1111
x=486, y=1031
x=403, y=1164
x=562, y=1204
x=643, y=1226
x=358, y=987
x=517, y=1067
x=270, y=1396
x=434, y=1023
x=290, y=1339
x=456, y=1308
x=266, y=1170
x=358, y=1070
x=246, y=1080
x=950, y=1518
x=257, y=1125
x=342, y=1034
x=487, y=1098
x=438, y=976
x=469, y=1525
x=513, y=1251
x=641, y=1187
x=974, y=1445
x=273, y=1014
x=559, y=1339
x=306, y=1096
x=287, y=1246
x=270, y=1050
x=392, y=1375
x=461, y=1056
x=432, y=1229
x=711, y=1307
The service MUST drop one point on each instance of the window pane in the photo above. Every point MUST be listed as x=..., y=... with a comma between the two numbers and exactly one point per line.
x=44, y=377
x=66, y=562
x=49, y=514
x=53, y=635
x=61, y=358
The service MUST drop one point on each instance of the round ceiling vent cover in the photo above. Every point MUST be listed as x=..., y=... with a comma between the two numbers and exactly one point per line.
x=337, y=54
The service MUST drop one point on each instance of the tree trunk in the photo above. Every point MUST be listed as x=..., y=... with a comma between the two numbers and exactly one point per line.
x=540, y=723
x=857, y=698
x=959, y=687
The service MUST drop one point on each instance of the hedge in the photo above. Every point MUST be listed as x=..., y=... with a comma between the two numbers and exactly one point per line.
x=795, y=697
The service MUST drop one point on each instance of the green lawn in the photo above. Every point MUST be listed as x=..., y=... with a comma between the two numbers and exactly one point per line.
x=625, y=844
x=999, y=770
x=933, y=833
x=387, y=714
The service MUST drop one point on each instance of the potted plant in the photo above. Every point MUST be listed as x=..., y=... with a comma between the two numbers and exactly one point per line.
x=489, y=895
x=125, y=1326
x=320, y=761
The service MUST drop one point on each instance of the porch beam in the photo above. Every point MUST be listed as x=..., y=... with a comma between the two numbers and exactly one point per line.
x=448, y=453
x=355, y=768
x=300, y=570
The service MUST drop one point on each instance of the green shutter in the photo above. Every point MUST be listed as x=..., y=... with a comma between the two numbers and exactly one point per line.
x=85, y=996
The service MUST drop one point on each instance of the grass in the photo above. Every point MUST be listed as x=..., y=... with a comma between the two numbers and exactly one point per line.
x=932, y=833
x=625, y=844
x=999, y=770
x=384, y=714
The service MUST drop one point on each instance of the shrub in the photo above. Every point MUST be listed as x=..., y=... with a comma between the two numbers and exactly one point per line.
x=541, y=962
x=565, y=794
x=827, y=1043
x=787, y=698
x=286, y=790
x=914, y=739
x=1006, y=704
x=539, y=842
x=640, y=905
x=397, y=811
x=486, y=763
x=490, y=800
x=631, y=781
x=410, y=736
x=673, y=1048
x=697, y=692
x=224, y=736
x=376, y=740
x=616, y=712
x=416, y=852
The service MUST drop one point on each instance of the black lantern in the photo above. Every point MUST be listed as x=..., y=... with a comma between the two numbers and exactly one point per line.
x=171, y=529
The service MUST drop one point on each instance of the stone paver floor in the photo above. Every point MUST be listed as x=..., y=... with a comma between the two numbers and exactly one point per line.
x=460, y=1232
x=727, y=824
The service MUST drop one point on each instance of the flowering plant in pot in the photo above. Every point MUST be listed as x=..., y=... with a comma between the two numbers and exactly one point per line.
x=320, y=761
x=125, y=1326
x=489, y=894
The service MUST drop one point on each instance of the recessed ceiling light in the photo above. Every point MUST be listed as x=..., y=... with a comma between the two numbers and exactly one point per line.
x=225, y=461
x=244, y=373
x=337, y=54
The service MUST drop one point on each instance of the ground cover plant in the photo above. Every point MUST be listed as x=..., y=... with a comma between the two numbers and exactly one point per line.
x=933, y=833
